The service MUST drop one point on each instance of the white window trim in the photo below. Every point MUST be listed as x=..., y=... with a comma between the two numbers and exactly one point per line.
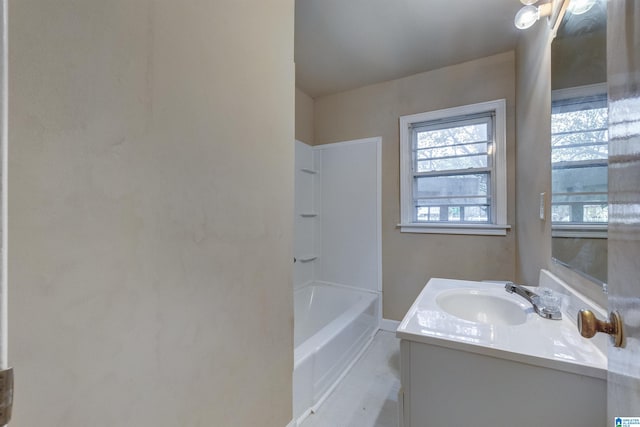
x=499, y=227
x=590, y=231
x=579, y=92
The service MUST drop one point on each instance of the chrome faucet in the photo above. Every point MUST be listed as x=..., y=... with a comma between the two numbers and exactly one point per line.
x=552, y=312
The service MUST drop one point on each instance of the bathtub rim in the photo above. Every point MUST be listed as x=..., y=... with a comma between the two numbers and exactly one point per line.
x=309, y=346
x=333, y=284
x=380, y=321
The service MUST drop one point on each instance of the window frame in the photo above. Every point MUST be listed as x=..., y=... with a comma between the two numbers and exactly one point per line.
x=578, y=229
x=498, y=225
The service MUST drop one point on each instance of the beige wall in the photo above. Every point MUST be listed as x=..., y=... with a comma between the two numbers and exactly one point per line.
x=533, y=58
x=150, y=212
x=579, y=61
x=304, y=117
x=410, y=260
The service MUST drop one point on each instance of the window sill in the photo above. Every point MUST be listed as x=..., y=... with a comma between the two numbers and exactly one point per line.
x=579, y=230
x=468, y=229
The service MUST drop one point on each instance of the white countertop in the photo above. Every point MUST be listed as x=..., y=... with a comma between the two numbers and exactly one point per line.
x=554, y=344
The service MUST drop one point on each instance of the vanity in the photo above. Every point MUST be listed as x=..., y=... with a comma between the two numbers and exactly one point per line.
x=472, y=354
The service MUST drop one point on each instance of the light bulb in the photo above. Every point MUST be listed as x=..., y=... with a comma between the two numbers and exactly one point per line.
x=526, y=17
x=578, y=7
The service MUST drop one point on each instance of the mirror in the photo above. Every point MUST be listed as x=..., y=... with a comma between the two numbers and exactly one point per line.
x=579, y=140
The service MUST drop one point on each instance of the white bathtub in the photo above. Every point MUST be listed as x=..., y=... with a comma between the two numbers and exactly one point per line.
x=333, y=325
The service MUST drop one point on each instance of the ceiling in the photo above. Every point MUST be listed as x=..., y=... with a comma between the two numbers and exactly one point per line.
x=345, y=44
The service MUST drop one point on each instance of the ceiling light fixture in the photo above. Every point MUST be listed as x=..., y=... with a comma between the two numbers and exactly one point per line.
x=578, y=7
x=528, y=15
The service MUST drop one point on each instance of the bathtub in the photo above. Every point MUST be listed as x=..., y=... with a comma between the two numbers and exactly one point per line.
x=333, y=325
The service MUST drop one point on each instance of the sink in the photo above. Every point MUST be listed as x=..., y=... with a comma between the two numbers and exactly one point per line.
x=482, y=318
x=482, y=306
x=493, y=342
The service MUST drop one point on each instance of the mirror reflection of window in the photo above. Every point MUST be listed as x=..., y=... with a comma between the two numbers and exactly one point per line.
x=579, y=202
x=579, y=156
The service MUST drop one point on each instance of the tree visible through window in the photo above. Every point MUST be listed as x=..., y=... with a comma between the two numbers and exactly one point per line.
x=452, y=169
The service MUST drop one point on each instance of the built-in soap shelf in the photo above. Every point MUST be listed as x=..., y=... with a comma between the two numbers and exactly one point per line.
x=308, y=215
x=309, y=171
x=307, y=258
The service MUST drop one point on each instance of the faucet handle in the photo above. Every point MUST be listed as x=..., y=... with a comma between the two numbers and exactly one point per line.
x=549, y=300
x=589, y=325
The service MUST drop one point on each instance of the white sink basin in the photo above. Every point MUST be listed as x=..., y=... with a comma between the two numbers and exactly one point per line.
x=482, y=307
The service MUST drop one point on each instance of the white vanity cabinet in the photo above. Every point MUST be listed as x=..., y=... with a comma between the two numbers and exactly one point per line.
x=456, y=372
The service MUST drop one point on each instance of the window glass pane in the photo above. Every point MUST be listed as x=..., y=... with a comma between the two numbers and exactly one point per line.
x=451, y=146
x=455, y=163
x=579, y=137
x=595, y=213
x=476, y=214
x=561, y=213
x=428, y=213
x=463, y=198
x=583, y=119
x=579, y=179
x=454, y=150
x=579, y=153
x=581, y=198
x=451, y=185
x=453, y=201
x=454, y=213
x=451, y=135
x=475, y=209
x=580, y=209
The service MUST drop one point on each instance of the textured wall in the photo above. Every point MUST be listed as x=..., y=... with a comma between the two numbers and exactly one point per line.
x=410, y=260
x=150, y=212
x=533, y=170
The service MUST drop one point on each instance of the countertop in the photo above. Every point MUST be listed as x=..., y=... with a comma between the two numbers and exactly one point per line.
x=554, y=344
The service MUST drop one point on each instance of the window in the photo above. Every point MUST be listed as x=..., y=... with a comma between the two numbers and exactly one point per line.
x=579, y=160
x=453, y=170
